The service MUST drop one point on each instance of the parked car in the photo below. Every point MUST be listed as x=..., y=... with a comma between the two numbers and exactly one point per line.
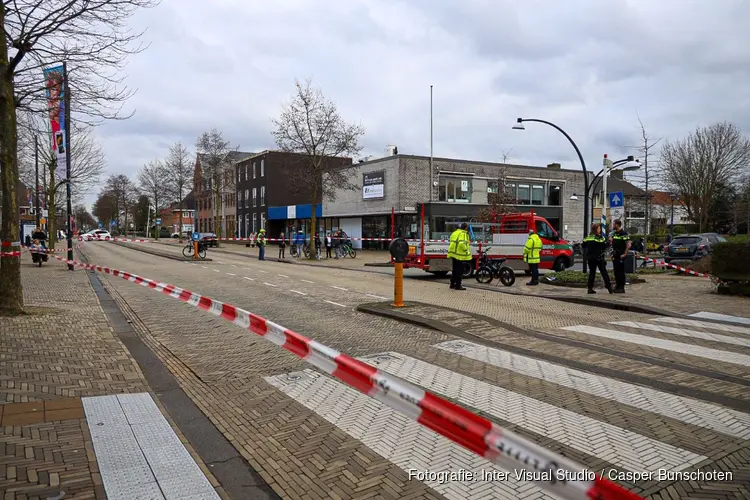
x=691, y=246
x=209, y=239
x=177, y=235
x=96, y=234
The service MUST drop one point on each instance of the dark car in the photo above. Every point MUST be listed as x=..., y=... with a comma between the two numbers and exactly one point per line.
x=691, y=246
x=209, y=239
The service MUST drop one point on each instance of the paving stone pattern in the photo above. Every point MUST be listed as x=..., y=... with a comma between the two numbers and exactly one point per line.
x=301, y=452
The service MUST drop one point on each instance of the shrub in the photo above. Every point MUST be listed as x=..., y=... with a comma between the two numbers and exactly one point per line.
x=740, y=288
x=731, y=260
x=701, y=266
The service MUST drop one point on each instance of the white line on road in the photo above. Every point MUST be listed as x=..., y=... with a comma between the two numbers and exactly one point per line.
x=269, y=284
x=220, y=263
x=334, y=303
x=251, y=279
x=216, y=270
x=233, y=265
x=296, y=291
x=262, y=271
x=307, y=281
x=339, y=288
x=376, y=296
x=282, y=275
x=230, y=274
x=204, y=267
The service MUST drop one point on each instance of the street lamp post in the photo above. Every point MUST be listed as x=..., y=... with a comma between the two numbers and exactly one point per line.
x=519, y=126
x=609, y=166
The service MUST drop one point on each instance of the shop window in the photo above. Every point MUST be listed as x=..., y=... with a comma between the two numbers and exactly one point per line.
x=537, y=194
x=455, y=190
x=524, y=194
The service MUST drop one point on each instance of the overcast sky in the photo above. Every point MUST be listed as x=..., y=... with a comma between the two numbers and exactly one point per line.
x=590, y=66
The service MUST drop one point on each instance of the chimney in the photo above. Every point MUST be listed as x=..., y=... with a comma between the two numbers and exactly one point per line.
x=555, y=166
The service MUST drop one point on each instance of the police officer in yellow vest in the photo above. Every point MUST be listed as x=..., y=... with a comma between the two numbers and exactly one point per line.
x=532, y=256
x=459, y=251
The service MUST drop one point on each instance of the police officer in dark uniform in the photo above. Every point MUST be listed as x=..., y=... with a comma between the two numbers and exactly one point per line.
x=596, y=246
x=620, y=247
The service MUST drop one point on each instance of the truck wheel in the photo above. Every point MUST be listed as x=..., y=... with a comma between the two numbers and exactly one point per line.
x=468, y=269
x=561, y=263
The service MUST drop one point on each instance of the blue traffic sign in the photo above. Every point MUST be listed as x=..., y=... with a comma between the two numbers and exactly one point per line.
x=616, y=199
x=100, y=225
x=113, y=223
x=196, y=236
x=158, y=222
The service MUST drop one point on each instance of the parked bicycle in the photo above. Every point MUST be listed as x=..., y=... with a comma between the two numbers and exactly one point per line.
x=187, y=252
x=490, y=269
x=346, y=249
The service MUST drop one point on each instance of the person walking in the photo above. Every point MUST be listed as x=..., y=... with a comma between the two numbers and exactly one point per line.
x=317, y=245
x=459, y=251
x=329, y=245
x=282, y=246
x=532, y=256
x=596, y=249
x=261, y=242
x=620, y=247
x=299, y=241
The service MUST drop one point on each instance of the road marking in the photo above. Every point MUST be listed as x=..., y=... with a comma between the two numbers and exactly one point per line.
x=216, y=271
x=399, y=439
x=376, y=296
x=705, y=324
x=335, y=303
x=296, y=291
x=204, y=267
x=669, y=345
x=715, y=337
x=282, y=275
x=220, y=263
x=233, y=265
x=251, y=279
x=308, y=281
x=688, y=410
x=339, y=288
x=138, y=453
x=230, y=274
x=620, y=447
x=722, y=317
x=269, y=284
x=262, y=271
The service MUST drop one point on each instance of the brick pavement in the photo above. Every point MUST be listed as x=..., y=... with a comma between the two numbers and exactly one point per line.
x=61, y=350
x=223, y=368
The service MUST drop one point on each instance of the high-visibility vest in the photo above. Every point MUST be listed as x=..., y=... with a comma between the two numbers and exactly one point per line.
x=533, y=249
x=460, y=245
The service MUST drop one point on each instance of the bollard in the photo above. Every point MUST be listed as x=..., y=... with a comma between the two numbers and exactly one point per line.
x=398, y=285
x=195, y=250
x=399, y=248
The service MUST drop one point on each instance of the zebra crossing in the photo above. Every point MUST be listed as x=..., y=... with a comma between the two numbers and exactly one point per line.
x=424, y=455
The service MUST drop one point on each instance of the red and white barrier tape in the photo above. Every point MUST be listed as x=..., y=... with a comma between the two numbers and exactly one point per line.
x=463, y=427
x=683, y=269
x=11, y=253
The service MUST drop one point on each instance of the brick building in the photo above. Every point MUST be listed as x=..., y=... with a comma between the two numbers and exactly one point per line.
x=460, y=189
x=274, y=193
x=206, y=198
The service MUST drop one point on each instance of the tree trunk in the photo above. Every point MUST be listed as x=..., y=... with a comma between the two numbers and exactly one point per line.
x=313, y=221
x=11, y=291
x=217, y=218
x=179, y=228
x=156, y=208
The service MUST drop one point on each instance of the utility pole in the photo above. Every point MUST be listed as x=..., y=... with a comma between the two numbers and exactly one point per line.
x=36, y=188
x=66, y=89
x=432, y=169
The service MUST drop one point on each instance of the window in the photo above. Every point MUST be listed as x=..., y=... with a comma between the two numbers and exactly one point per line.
x=537, y=194
x=247, y=196
x=255, y=197
x=543, y=230
x=524, y=194
x=254, y=165
x=247, y=225
x=262, y=167
x=455, y=190
x=255, y=223
x=493, y=186
x=239, y=198
x=239, y=175
x=555, y=195
x=262, y=190
x=262, y=220
x=510, y=191
x=245, y=172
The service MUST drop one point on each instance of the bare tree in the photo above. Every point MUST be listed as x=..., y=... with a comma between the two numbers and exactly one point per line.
x=696, y=167
x=312, y=126
x=82, y=217
x=649, y=168
x=93, y=39
x=180, y=177
x=105, y=208
x=214, y=152
x=123, y=193
x=153, y=181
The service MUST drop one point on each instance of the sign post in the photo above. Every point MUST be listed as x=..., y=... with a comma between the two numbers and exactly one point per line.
x=196, y=238
x=616, y=202
x=399, y=249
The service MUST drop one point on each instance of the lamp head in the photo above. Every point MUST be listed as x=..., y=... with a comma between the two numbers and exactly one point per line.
x=574, y=197
x=519, y=125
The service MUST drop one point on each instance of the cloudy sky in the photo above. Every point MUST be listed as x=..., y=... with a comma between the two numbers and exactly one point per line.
x=591, y=66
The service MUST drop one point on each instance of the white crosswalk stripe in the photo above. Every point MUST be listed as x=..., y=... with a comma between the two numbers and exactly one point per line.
x=683, y=332
x=705, y=324
x=722, y=317
x=669, y=345
x=691, y=411
x=395, y=437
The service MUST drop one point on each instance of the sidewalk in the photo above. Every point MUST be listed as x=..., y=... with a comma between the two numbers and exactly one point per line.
x=63, y=349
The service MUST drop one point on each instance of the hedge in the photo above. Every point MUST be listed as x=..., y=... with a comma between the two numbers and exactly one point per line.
x=731, y=261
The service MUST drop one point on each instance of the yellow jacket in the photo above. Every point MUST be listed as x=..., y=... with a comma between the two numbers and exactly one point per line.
x=532, y=249
x=460, y=246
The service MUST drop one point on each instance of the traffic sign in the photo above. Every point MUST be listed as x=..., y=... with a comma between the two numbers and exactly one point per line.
x=158, y=222
x=195, y=236
x=616, y=199
x=100, y=225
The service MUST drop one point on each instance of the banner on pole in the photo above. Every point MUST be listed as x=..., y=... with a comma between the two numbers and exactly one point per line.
x=54, y=84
